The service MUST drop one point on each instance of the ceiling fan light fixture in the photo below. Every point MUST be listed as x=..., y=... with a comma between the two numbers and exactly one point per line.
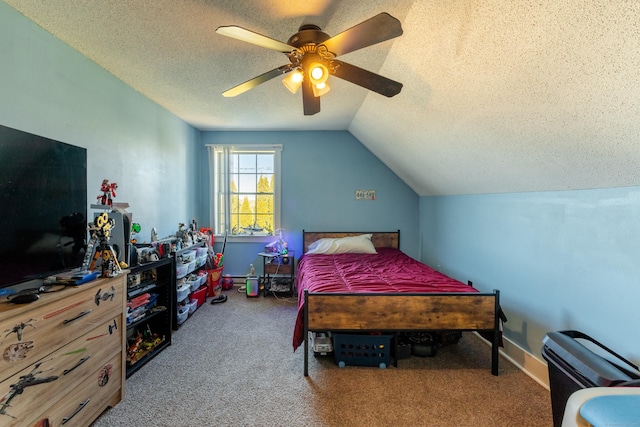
x=318, y=73
x=293, y=81
x=320, y=89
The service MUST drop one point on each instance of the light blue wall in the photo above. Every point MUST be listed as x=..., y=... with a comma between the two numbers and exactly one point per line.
x=49, y=89
x=562, y=260
x=159, y=161
x=320, y=173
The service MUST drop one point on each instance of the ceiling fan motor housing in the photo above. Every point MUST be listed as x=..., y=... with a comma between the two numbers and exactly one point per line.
x=308, y=35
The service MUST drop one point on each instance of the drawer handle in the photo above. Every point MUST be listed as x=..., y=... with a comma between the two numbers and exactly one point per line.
x=84, y=313
x=78, y=409
x=80, y=362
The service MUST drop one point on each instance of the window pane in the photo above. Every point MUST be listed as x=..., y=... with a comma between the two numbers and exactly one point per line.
x=233, y=163
x=247, y=183
x=246, y=190
x=264, y=163
x=247, y=163
x=233, y=183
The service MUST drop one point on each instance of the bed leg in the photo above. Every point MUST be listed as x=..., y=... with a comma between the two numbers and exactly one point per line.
x=495, y=345
x=306, y=333
x=306, y=357
x=495, y=353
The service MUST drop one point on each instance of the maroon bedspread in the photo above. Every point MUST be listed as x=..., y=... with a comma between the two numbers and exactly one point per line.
x=388, y=271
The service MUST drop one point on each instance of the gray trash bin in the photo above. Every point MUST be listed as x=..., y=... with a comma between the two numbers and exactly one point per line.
x=573, y=366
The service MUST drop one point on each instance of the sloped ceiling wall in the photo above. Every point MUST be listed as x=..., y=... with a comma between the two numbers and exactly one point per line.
x=511, y=96
x=499, y=96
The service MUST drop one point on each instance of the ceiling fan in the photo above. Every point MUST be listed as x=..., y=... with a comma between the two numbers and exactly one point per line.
x=312, y=56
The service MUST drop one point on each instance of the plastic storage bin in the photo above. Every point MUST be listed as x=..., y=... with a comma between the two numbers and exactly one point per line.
x=201, y=252
x=183, y=292
x=181, y=270
x=572, y=367
x=193, y=282
x=183, y=313
x=362, y=350
x=189, y=256
x=200, y=295
x=201, y=260
x=193, y=304
x=191, y=266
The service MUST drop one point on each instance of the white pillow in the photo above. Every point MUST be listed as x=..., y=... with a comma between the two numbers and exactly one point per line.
x=353, y=244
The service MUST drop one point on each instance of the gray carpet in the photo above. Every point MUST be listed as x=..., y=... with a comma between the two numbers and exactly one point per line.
x=232, y=364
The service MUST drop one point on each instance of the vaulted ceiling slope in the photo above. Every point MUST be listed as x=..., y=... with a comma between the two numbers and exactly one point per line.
x=499, y=96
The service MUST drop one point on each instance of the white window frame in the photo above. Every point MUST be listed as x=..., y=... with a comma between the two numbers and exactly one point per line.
x=214, y=184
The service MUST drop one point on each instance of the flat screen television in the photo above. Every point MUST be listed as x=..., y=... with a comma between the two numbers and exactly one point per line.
x=43, y=206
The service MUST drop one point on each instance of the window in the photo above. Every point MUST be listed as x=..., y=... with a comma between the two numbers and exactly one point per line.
x=245, y=189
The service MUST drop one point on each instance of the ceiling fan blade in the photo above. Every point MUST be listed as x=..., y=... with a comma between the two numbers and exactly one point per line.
x=310, y=102
x=248, y=36
x=250, y=84
x=364, y=78
x=380, y=28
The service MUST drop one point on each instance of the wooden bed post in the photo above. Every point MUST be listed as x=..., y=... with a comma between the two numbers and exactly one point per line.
x=495, y=345
x=306, y=332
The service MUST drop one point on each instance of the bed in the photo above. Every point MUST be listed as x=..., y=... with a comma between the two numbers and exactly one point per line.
x=383, y=291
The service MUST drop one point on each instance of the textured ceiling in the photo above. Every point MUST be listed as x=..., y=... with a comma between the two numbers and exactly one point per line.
x=498, y=96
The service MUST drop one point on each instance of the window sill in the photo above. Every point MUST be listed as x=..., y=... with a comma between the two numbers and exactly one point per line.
x=246, y=239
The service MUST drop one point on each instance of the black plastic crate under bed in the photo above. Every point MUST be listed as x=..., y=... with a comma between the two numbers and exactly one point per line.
x=362, y=350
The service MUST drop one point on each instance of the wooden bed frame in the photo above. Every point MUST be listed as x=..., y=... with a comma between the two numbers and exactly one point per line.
x=398, y=312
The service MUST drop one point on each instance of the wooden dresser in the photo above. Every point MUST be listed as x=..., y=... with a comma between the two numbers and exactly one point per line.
x=62, y=357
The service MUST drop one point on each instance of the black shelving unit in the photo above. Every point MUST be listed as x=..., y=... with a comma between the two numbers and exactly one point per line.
x=278, y=273
x=149, y=330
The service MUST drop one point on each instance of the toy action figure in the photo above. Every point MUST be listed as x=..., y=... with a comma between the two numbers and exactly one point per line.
x=100, y=231
x=108, y=192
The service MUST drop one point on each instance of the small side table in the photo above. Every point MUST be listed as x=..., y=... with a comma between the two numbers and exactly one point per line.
x=274, y=265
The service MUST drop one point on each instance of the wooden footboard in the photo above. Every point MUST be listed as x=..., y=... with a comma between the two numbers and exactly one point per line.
x=341, y=312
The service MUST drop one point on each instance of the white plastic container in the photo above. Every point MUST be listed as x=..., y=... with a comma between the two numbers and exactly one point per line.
x=203, y=279
x=192, y=306
x=183, y=313
x=191, y=266
x=181, y=270
x=194, y=284
x=189, y=256
x=201, y=260
x=201, y=252
x=183, y=292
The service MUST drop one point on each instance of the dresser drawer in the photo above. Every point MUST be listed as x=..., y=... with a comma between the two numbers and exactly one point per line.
x=42, y=327
x=45, y=382
x=277, y=269
x=84, y=403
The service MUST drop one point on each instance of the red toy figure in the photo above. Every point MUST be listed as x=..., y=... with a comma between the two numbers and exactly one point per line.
x=108, y=192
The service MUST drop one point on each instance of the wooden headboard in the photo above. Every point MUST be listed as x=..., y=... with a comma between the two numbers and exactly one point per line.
x=383, y=239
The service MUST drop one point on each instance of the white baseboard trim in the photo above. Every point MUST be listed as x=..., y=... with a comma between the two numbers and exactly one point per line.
x=530, y=365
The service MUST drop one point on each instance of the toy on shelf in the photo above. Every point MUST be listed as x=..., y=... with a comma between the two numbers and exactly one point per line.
x=279, y=246
x=135, y=229
x=108, y=192
x=142, y=344
x=190, y=235
x=100, y=231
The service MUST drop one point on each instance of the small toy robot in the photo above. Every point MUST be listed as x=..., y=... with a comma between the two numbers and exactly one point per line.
x=108, y=192
x=100, y=231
